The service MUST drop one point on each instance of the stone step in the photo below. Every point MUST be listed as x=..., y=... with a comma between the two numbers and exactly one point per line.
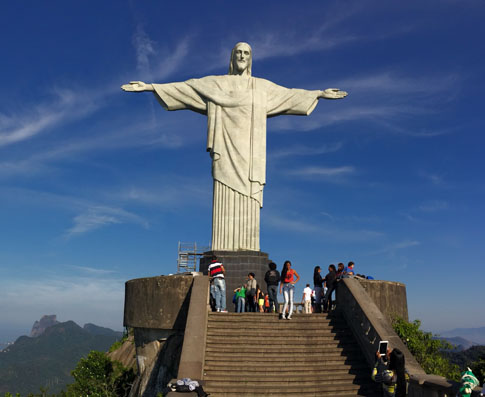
x=271, y=317
x=297, y=379
x=293, y=393
x=316, y=372
x=251, y=389
x=290, y=337
x=351, y=366
x=279, y=324
x=282, y=342
x=298, y=357
x=327, y=365
x=273, y=327
x=309, y=355
x=287, y=330
x=335, y=353
x=235, y=350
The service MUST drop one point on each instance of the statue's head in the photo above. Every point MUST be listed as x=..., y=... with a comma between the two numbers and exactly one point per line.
x=241, y=59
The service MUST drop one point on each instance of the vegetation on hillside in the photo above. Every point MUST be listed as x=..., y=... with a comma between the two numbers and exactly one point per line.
x=95, y=376
x=98, y=376
x=428, y=351
x=437, y=356
x=474, y=357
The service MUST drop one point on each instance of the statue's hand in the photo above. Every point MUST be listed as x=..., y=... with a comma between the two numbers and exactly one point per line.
x=333, y=93
x=137, y=86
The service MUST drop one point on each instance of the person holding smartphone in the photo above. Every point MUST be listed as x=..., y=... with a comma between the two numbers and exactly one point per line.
x=389, y=371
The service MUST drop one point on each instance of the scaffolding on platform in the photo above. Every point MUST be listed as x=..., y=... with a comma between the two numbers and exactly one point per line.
x=188, y=256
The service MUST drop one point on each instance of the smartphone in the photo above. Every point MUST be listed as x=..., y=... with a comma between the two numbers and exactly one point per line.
x=383, y=347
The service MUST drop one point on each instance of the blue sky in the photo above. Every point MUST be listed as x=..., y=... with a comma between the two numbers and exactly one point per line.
x=97, y=186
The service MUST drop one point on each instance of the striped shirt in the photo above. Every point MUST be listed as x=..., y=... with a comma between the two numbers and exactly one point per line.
x=216, y=270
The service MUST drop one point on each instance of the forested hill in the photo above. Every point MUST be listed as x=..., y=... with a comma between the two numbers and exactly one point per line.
x=48, y=359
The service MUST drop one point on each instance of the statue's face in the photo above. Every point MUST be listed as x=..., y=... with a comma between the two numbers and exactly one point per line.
x=242, y=57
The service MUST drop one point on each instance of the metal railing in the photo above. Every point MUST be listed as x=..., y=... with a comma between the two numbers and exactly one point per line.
x=188, y=256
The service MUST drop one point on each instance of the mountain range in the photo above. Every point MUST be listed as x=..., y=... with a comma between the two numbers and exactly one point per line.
x=46, y=360
x=475, y=335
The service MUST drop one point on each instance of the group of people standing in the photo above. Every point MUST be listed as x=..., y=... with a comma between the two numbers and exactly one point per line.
x=249, y=297
x=324, y=286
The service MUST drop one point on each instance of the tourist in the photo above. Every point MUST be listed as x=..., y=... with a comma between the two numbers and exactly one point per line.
x=267, y=306
x=272, y=278
x=330, y=284
x=340, y=270
x=318, y=287
x=240, y=298
x=349, y=270
x=251, y=293
x=307, y=299
x=287, y=287
x=218, y=284
x=260, y=299
x=389, y=371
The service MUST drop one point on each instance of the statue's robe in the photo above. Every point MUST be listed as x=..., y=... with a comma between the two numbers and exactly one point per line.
x=236, y=109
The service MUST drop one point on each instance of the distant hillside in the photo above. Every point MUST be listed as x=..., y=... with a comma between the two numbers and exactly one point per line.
x=476, y=335
x=459, y=343
x=48, y=359
x=465, y=358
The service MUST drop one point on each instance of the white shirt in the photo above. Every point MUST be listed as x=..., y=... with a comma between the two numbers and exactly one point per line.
x=307, y=292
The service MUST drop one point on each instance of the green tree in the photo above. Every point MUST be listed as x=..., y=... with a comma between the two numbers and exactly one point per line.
x=427, y=350
x=98, y=376
x=478, y=368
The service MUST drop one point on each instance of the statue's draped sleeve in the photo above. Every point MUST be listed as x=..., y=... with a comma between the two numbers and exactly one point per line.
x=178, y=96
x=289, y=101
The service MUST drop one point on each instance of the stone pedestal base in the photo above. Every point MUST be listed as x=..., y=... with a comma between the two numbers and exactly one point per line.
x=237, y=265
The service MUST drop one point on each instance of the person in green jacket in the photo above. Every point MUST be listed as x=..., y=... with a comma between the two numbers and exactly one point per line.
x=240, y=298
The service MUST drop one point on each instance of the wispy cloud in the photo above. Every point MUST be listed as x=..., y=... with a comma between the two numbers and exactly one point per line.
x=99, y=216
x=39, y=119
x=92, y=270
x=417, y=214
x=346, y=113
x=435, y=179
x=433, y=206
x=392, y=248
x=67, y=105
x=272, y=45
x=188, y=190
x=382, y=99
x=302, y=150
x=144, y=48
x=391, y=83
x=324, y=36
x=323, y=171
x=172, y=59
x=329, y=231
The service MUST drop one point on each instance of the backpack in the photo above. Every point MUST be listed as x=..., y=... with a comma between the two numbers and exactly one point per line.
x=273, y=277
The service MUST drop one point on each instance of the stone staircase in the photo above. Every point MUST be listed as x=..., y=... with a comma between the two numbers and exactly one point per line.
x=256, y=354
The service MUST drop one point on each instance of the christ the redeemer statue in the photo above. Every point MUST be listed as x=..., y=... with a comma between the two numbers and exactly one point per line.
x=236, y=106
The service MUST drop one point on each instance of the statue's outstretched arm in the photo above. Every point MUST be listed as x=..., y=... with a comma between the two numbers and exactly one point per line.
x=333, y=93
x=137, y=86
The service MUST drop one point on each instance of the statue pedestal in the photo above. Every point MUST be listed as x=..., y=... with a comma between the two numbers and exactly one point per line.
x=237, y=265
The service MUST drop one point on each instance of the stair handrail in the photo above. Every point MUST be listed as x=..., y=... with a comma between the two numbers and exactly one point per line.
x=193, y=349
